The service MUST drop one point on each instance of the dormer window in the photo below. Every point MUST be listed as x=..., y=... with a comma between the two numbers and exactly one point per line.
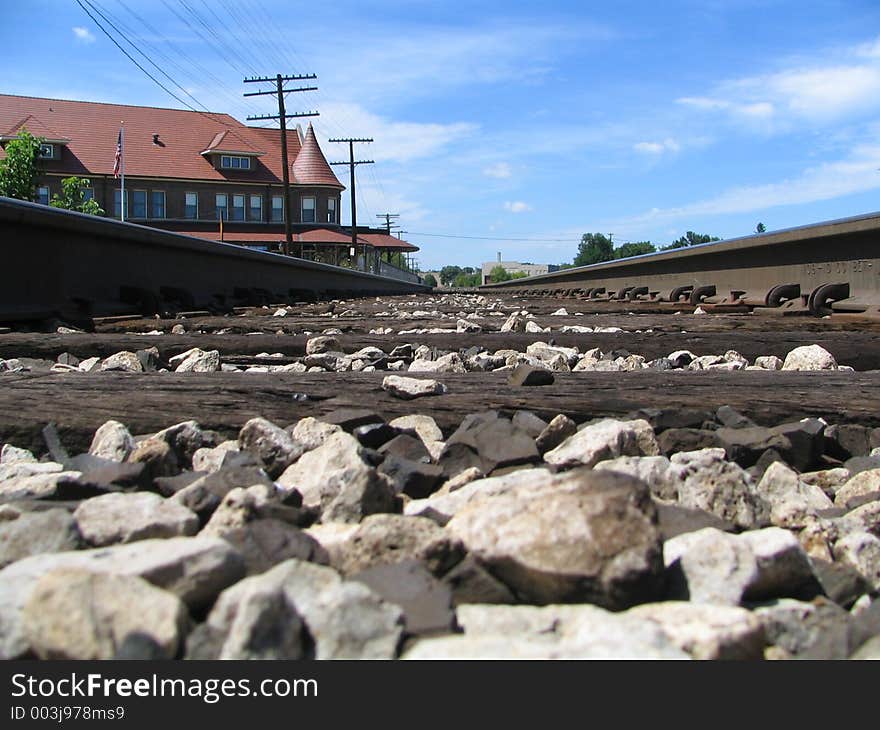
x=47, y=151
x=230, y=162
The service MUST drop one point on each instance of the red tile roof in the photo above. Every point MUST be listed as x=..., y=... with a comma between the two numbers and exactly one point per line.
x=383, y=240
x=311, y=167
x=93, y=129
x=236, y=236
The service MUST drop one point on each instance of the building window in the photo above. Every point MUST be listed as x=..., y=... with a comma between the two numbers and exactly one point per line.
x=238, y=207
x=139, y=204
x=117, y=203
x=88, y=194
x=277, y=208
x=47, y=151
x=157, y=204
x=256, y=209
x=228, y=162
x=331, y=210
x=221, y=203
x=191, y=206
x=308, y=210
x=43, y=195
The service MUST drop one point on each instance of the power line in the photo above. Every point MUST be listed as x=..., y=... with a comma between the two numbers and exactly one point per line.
x=130, y=58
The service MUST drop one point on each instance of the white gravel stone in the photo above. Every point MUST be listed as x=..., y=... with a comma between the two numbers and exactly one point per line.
x=126, y=517
x=10, y=454
x=408, y=388
x=705, y=631
x=606, y=439
x=861, y=550
x=125, y=361
x=112, y=441
x=809, y=357
x=862, y=483
x=425, y=426
x=198, y=361
x=793, y=503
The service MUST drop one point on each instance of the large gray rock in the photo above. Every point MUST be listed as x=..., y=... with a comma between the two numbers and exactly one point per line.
x=112, y=441
x=344, y=619
x=587, y=537
x=816, y=630
x=713, y=484
x=43, y=485
x=337, y=479
x=793, y=503
x=194, y=569
x=33, y=533
x=606, y=439
x=126, y=517
x=711, y=566
x=425, y=426
x=386, y=539
x=77, y=614
x=656, y=471
x=863, y=483
x=252, y=620
x=441, y=507
x=861, y=550
x=273, y=446
x=451, y=363
x=311, y=433
x=548, y=632
x=706, y=631
x=426, y=602
x=206, y=493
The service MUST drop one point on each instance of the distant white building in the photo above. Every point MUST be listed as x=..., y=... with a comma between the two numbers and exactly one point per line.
x=515, y=267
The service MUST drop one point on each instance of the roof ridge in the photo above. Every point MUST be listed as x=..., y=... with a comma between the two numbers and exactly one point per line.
x=130, y=106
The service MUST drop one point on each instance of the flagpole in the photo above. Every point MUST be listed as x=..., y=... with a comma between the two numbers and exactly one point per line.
x=122, y=176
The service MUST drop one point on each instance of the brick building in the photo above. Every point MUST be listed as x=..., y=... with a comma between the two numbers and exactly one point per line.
x=186, y=171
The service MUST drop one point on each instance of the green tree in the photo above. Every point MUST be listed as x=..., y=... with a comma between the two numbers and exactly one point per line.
x=465, y=281
x=499, y=274
x=73, y=197
x=594, y=248
x=691, y=239
x=636, y=248
x=19, y=170
x=448, y=274
x=760, y=228
x=518, y=275
x=430, y=280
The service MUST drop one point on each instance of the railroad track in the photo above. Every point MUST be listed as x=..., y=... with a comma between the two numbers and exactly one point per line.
x=820, y=269
x=72, y=267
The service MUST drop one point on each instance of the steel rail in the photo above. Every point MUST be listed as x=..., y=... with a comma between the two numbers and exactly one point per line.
x=74, y=267
x=833, y=266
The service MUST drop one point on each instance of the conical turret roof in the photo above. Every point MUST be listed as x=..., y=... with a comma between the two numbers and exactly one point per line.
x=311, y=167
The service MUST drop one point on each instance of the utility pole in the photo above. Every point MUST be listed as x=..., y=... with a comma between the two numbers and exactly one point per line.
x=352, y=163
x=388, y=224
x=282, y=116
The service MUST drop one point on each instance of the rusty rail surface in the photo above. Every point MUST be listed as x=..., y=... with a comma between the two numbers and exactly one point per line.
x=74, y=267
x=833, y=266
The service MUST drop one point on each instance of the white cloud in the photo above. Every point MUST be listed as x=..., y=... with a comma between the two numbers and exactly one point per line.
x=817, y=92
x=395, y=141
x=856, y=173
x=501, y=170
x=657, y=148
x=83, y=35
x=517, y=206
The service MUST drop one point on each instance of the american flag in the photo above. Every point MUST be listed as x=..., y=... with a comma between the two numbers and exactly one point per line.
x=118, y=158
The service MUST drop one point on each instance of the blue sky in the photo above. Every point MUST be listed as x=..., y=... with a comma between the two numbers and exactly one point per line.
x=508, y=120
